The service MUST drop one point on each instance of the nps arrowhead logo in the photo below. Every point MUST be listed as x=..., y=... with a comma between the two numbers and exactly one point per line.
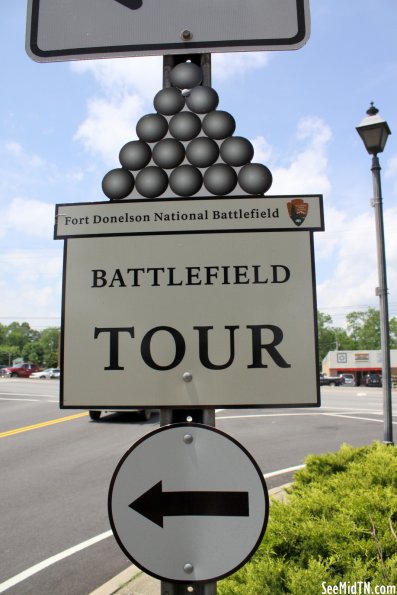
x=132, y=4
x=297, y=210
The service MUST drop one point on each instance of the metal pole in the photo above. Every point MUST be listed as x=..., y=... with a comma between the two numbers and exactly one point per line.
x=382, y=292
x=172, y=416
x=182, y=589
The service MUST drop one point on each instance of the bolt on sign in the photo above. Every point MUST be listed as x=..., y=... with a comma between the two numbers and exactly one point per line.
x=75, y=29
x=186, y=303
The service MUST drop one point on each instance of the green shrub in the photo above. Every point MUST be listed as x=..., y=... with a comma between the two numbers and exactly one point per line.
x=339, y=524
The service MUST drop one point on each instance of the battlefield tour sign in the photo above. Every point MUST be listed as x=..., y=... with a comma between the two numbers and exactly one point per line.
x=188, y=303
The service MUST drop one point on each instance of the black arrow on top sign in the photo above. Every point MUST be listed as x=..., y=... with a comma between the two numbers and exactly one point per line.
x=133, y=4
x=156, y=504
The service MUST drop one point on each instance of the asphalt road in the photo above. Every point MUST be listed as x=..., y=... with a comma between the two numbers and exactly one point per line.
x=57, y=466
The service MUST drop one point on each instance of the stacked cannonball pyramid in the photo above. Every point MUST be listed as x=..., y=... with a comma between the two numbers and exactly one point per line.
x=187, y=147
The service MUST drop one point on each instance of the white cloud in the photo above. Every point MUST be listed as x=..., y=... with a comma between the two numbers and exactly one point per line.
x=16, y=151
x=31, y=291
x=29, y=217
x=391, y=169
x=328, y=242
x=127, y=90
x=345, y=254
x=109, y=125
x=349, y=252
x=307, y=171
x=122, y=76
x=262, y=150
x=391, y=172
x=235, y=65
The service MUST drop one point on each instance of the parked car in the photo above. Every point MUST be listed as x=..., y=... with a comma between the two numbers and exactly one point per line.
x=331, y=380
x=21, y=370
x=47, y=373
x=349, y=379
x=373, y=380
x=145, y=414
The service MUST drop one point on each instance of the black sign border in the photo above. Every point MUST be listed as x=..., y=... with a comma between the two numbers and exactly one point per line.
x=155, y=48
x=116, y=408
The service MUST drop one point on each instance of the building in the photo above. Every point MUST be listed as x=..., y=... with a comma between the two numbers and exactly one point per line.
x=359, y=363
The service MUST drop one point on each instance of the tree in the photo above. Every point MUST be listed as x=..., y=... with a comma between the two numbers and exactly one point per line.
x=49, y=341
x=18, y=335
x=330, y=338
x=393, y=333
x=7, y=354
x=364, y=329
x=362, y=332
x=33, y=352
x=20, y=340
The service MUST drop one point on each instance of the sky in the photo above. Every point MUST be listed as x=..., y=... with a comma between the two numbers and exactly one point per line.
x=63, y=124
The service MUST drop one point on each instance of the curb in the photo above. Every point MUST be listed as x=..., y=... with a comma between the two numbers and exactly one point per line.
x=116, y=584
x=133, y=581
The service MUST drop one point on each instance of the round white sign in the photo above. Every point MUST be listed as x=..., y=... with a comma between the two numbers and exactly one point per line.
x=188, y=503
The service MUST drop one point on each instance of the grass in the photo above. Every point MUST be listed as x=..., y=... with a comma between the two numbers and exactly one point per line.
x=339, y=524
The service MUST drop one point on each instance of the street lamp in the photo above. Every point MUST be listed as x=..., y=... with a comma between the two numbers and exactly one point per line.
x=374, y=132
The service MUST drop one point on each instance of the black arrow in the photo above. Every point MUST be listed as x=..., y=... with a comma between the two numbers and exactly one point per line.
x=156, y=504
x=133, y=4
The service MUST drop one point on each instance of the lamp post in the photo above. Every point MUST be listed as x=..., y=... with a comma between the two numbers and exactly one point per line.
x=374, y=132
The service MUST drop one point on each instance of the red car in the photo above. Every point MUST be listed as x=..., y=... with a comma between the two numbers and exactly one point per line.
x=20, y=370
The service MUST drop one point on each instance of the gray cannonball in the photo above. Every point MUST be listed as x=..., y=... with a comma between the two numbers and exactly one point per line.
x=186, y=75
x=185, y=180
x=151, y=181
x=220, y=179
x=236, y=151
x=202, y=100
x=168, y=153
x=255, y=178
x=151, y=128
x=169, y=101
x=219, y=125
x=202, y=152
x=118, y=183
x=185, y=126
x=135, y=155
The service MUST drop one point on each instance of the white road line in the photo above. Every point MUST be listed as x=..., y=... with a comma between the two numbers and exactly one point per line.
x=352, y=409
x=24, y=400
x=306, y=413
x=18, y=578
x=282, y=471
x=27, y=395
x=249, y=415
x=47, y=400
x=356, y=417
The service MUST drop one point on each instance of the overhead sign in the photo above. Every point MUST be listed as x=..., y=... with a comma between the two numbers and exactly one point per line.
x=197, y=488
x=74, y=29
x=187, y=314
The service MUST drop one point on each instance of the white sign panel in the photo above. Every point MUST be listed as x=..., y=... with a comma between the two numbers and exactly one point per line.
x=193, y=487
x=234, y=313
x=74, y=29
